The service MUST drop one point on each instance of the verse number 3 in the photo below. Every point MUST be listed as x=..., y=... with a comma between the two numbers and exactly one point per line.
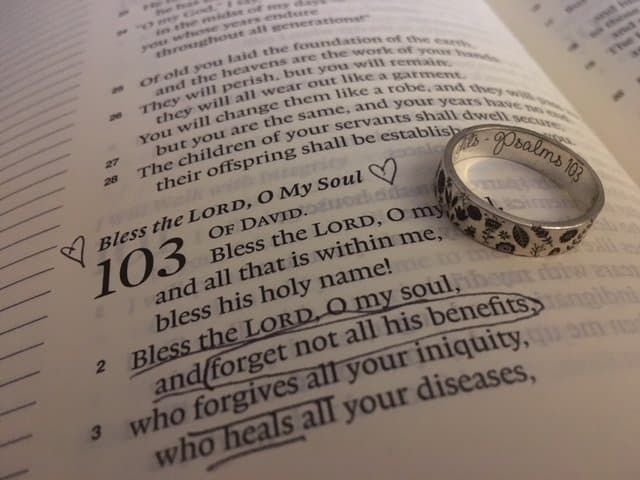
x=96, y=432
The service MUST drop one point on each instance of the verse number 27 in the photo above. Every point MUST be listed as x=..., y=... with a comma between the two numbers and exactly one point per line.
x=176, y=262
x=111, y=163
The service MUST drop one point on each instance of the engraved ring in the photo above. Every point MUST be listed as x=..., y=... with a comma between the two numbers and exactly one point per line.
x=502, y=230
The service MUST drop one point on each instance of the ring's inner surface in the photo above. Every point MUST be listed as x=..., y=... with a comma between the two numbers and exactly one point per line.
x=525, y=174
x=517, y=189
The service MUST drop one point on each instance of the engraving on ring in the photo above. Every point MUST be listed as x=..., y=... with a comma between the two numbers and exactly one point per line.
x=511, y=139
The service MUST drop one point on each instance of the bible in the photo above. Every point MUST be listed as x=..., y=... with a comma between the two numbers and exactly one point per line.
x=222, y=256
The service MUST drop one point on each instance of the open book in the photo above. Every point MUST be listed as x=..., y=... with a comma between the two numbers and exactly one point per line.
x=221, y=255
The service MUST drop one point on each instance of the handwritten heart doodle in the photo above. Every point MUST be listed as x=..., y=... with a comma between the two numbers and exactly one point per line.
x=75, y=251
x=386, y=172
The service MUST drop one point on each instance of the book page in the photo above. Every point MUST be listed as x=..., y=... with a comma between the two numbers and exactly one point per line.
x=221, y=254
x=591, y=49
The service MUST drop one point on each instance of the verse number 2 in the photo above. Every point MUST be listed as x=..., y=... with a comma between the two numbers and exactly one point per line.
x=178, y=261
x=100, y=366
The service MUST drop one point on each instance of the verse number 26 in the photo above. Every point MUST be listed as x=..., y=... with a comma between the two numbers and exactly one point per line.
x=175, y=262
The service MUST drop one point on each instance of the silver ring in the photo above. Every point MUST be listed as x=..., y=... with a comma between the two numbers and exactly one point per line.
x=504, y=231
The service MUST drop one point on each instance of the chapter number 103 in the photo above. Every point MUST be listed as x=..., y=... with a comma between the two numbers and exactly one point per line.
x=133, y=277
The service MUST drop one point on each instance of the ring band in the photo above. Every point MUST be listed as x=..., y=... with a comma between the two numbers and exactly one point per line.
x=504, y=231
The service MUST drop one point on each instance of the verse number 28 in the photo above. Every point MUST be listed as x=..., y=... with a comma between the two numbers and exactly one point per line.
x=110, y=180
x=177, y=263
